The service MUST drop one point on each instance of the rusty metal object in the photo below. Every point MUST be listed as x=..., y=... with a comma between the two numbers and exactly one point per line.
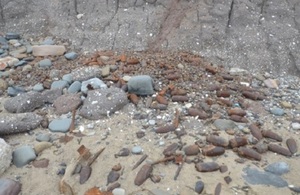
x=191, y=150
x=155, y=105
x=161, y=99
x=236, y=111
x=238, y=141
x=207, y=166
x=253, y=95
x=173, y=76
x=196, y=112
x=223, y=93
x=272, y=135
x=279, y=150
x=85, y=174
x=112, y=177
x=292, y=145
x=217, y=141
x=180, y=98
x=212, y=150
x=239, y=119
x=223, y=101
x=211, y=69
x=255, y=131
x=133, y=98
x=249, y=153
x=178, y=91
x=143, y=174
x=165, y=129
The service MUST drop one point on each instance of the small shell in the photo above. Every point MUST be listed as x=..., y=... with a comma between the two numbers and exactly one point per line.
x=237, y=118
x=180, y=98
x=213, y=150
x=279, y=149
x=207, y=167
x=171, y=149
x=85, y=174
x=161, y=99
x=236, y=111
x=165, y=129
x=249, y=153
x=272, y=135
x=217, y=141
x=223, y=93
x=196, y=112
x=238, y=141
x=255, y=131
x=191, y=150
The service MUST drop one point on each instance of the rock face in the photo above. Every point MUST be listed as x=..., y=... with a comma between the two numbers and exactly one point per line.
x=16, y=123
x=5, y=156
x=103, y=102
x=252, y=34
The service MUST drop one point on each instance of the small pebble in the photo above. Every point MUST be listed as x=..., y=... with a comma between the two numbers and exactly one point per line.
x=277, y=111
x=74, y=87
x=38, y=87
x=71, y=55
x=119, y=191
x=59, y=84
x=46, y=63
x=137, y=150
x=23, y=155
x=43, y=137
x=295, y=126
x=60, y=125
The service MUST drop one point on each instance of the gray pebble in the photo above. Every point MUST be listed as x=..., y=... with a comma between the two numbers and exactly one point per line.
x=60, y=125
x=141, y=85
x=12, y=35
x=223, y=124
x=71, y=55
x=295, y=126
x=54, y=74
x=199, y=186
x=159, y=192
x=137, y=150
x=21, y=63
x=1, y=51
x=38, y=87
x=59, y=84
x=27, y=68
x=74, y=87
x=28, y=48
x=278, y=168
x=68, y=78
x=43, y=137
x=13, y=91
x=48, y=41
x=277, y=111
x=119, y=191
x=23, y=155
x=94, y=82
x=46, y=63
x=152, y=122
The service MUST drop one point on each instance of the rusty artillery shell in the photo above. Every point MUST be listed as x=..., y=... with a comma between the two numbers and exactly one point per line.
x=191, y=150
x=239, y=119
x=279, y=150
x=171, y=149
x=218, y=189
x=272, y=135
x=132, y=61
x=143, y=174
x=212, y=150
x=161, y=99
x=223, y=93
x=255, y=131
x=158, y=106
x=178, y=91
x=180, y=98
x=165, y=129
x=112, y=177
x=292, y=145
x=112, y=186
x=134, y=98
x=207, y=167
x=224, y=101
x=253, y=95
x=211, y=69
x=236, y=111
x=199, y=186
x=196, y=112
x=217, y=141
x=249, y=153
x=238, y=141
x=172, y=76
x=227, y=77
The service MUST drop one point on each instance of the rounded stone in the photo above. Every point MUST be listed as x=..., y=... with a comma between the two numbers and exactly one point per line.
x=5, y=155
x=3, y=85
x=295, y=126
x=9, y=187
x=46, y=63
x=224, y=124
x=68, y=78
x=137, y=150
x=43, y=137
x=38, y=87
x=59, y=84
x=74, y=87
x=27, y=68
x=95, y=83
x=60, y=125
x=141, y=85
x=23, y=155
x=277, y=111
x=71, y=55
x=119, y=191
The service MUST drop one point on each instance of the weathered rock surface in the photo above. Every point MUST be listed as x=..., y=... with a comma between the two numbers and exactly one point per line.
x=5, y=156
x=66, y=103
x=23, y=155
x=9, y=187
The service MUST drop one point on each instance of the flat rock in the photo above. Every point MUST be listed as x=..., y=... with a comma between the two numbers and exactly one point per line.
x=71, y=55
x=60, y=125
x=38, y=87
x=23, y=155
x=51, y=95
x=103, y=102
x=66, y=103
x=5, y=156
x=45, y=63
x=43, y=137
x=256, y=177
x=159, y=192
x=223, y=124
x=59, y=84
x=48, y=50
x=141, y=85
x=277, y=111
x=85, y=73
x=95, y=83
x=9, y=187
x=12, y=35
x=25, y=102
x=16, y=123
x=74, y=87
x=278, y=168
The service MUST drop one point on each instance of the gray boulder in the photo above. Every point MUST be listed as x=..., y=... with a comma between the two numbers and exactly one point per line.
x=5, y=156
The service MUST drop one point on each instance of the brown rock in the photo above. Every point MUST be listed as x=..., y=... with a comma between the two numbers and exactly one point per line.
x=217, y=141
x=143, y=174
x=85, y=174
x=66, y=103
x=48, y=50
x=191, y=150
x=207, y=167
x=212, y=150
x=292, y=145
x=43, y=163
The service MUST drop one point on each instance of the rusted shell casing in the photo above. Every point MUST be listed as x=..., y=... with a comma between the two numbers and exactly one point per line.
x=196, y=112
x=207, y=166
x=212, y=150
x=180, y=98
x=165, y=129
x=218, y=189
x=249, y=153
x=171, y=149
x=279, y=150
x=292, y=145
x=134, y=98
x=238, y=141
x=217, y=141
x=191, y=150
x=178, y=91
x=143, y=174
x=253, y=95
x=85, y=174
x=272, y=135
x=161, y=99
x=158, y=106
x=223, y=93
x=211, y=69
x=239, y=119
x=173, y=76
x=255, y=131
x=236, y=111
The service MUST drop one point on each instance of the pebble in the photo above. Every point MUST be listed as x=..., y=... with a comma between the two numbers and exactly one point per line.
x=105, y=71
x=278, y=168
x=38, y=87
x=3, y=85
x=48, y=41
x=141, y=85
x=5, y=156
x=14, y=91
x=295, y=126
x=199, y=186
x=42, y=163
x=152, y=122
x=277, y=111
x=180, y=66
x=85, y=73
x=75, y=87
x=126, y=78
x=237, y=71
x=285, y=104
x=23, y=155
x=94, y=82
x=66, y=103
x=7, y=62
x=54, y=74
x=51, y=95
x=61, y=84
x=27, y=68
x=48, y=50
x=137, y=150
x=46, y=63
x=60, y=125
x=223, y=124
x=9, y=187
x=20, y=63
x=68, y=78
x=12, y=35
x=119, y=191
x=71, y=55
x=43, y=137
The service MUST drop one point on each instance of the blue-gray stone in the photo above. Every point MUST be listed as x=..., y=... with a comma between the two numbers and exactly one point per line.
x=46, y=63
x=61, y=84
x=255, y=177
x=38, y=87
x=23, y=155
x=71, y=55
x=141, y=85
x=199, y=186
x=48, y=41
x=21, y=63
x=43, y=137
x=28, y=48
x=74, y=87
x=94, y=82
x=223, y=124
x=68, y=78
x=136, y=150
x=1, y=51
x=278, y=168
x=14, y=90
x=277, y=111
x=60, y=125
x=3, y=41
x=11, y=35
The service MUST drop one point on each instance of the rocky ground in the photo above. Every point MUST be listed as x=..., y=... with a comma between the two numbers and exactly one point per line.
x=147, y=122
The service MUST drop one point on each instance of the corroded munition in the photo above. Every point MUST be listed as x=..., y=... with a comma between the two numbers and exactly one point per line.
x=191, y=150
x=161, y=99
x=279, y=150
x=180, y=98
x=239, y=119
x=165, y=129
x=272, y=135
x=134, y=98
x=249, y=153
x=171, y=149
x=196, y=112
x=236, y=111
x=255, y=131
x=292, y=145
x=212, y=150
x=207, y=167
x=217, y=141
x=223, y=93
x=143, y=174
x=253, y=95
x=177, y=91
x=238, y=141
